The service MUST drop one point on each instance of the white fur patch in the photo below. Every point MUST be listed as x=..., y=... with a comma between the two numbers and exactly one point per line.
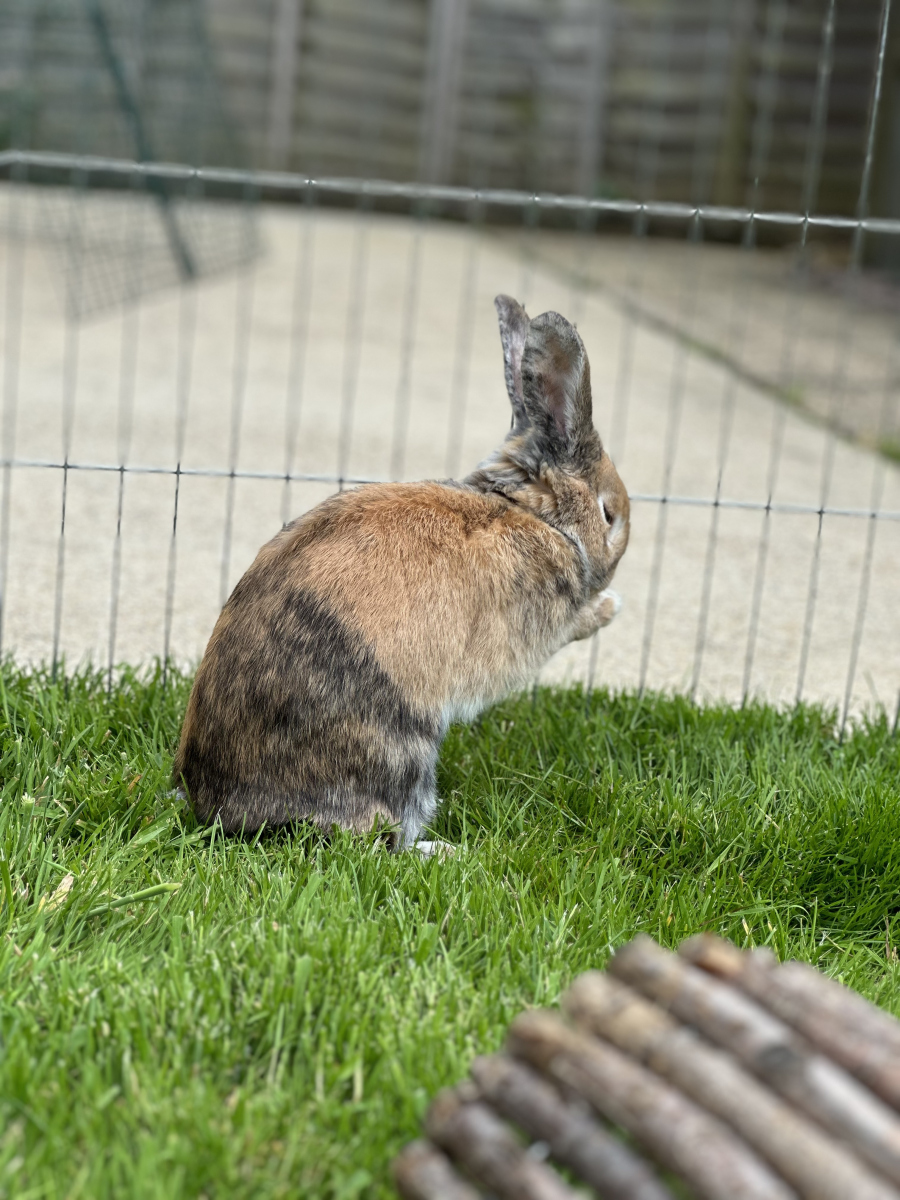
x=462, y=710
x=429, y=849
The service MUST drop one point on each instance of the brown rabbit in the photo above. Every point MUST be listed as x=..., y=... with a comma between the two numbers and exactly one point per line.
x=366, y=626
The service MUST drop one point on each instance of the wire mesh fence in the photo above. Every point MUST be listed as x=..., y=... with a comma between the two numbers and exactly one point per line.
x=154, y=436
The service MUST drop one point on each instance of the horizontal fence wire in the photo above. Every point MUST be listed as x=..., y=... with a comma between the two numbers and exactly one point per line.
x=339, y=481
x=382, y=189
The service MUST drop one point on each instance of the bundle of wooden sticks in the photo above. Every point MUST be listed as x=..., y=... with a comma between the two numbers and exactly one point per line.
x=742, y=1078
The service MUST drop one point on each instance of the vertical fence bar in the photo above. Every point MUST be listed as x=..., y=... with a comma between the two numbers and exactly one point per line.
x=670, y=446
x=353, y=335
x=15, y=301
x=883, y=421
x=187, y=332
x=128, y=350
x=862, y=599
x=243, y=327
x=409, y=325
x=531, y=216
x=462, y=354
x=726, y=425
x=842, y=352
x=879, y=478
x=12, y=353
x=592, y=667
x=300, y=317
x=70, y=387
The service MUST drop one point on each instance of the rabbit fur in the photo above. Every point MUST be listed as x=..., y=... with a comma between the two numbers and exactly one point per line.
x=367, y=625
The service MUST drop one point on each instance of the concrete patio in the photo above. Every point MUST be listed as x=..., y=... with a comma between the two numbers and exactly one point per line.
x=366, y=346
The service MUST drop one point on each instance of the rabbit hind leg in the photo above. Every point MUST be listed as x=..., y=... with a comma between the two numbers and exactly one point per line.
x=419, y=810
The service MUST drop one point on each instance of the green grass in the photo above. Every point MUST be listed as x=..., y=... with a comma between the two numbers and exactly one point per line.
x=277, y=1024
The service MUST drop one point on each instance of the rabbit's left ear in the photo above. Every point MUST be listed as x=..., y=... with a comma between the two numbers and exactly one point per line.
x=556, y=384
x=514, y=322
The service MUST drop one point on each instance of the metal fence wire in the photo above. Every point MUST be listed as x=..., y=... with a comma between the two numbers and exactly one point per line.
x=191, y=357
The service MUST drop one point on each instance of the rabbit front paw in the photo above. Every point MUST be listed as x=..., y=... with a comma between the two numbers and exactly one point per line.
x=598, y=611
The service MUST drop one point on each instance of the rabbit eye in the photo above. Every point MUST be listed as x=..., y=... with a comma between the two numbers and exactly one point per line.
x=604, y=511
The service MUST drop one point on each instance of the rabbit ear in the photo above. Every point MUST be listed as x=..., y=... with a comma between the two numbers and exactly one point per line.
x=556, y=384
x=514, y=322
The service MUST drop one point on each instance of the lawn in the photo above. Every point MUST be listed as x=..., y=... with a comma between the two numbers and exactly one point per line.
x=268, y=1017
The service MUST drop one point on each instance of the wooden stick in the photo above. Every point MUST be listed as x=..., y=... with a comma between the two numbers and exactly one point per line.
x=574, y=1137
x=476, y=1138
x=769, y=1048
x=861, y=1037
x=679, y=1134
x=808, y=1158
x=422, y=1172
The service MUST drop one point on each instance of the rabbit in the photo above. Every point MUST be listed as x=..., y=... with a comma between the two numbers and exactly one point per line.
x=368, y=625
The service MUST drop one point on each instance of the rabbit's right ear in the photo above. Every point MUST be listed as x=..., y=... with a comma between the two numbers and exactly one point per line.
x=514, y=322
x=556, y=389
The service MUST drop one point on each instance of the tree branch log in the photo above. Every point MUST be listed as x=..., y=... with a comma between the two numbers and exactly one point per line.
x=573, y=1136
x=681, y=1136
x=772, y=1050
x=808, y=1158
x=422, y=1172
x=476, y=1138
x=861, y=1037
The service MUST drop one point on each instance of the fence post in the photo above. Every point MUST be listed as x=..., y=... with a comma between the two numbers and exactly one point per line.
x=729, y=185
x=286, y=27
x=441, y=87
x=592, y=142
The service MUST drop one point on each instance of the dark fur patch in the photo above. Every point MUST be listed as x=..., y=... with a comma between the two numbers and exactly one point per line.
x=292, y=717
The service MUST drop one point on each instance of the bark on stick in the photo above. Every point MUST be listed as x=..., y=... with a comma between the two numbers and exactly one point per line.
x=422, y=1172
x=770, y=1048
x=861, y=1037
x=478, y=1140
x=675, y=1131
x=800, y=1150
x=575, y=1138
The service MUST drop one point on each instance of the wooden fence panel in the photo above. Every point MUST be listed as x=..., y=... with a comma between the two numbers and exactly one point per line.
x=677, y=99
